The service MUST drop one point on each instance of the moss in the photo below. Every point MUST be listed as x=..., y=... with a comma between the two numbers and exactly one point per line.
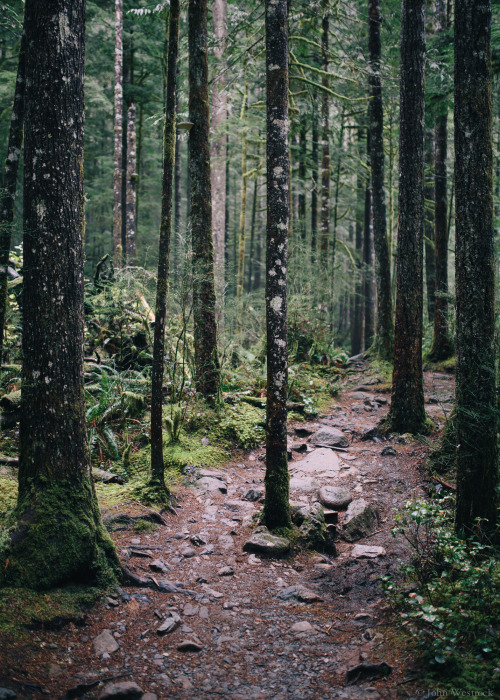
x=58, y=539
x=8, y=493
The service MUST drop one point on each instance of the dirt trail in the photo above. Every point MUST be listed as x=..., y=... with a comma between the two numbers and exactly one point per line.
x=239, y=611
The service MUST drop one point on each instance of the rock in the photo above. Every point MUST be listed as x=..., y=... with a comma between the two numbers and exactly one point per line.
x=300, y=446
x=170, y=624
x=300, y=593
x=253, y=495
x=359, y=396
x=190, y=610
x=209, y=549
x=320, y=464
x=306, y=429
x=365, y=671
x=226, y=571
x=105, y=643
x=335, y=497
x=306, y=484
x=205, y=442
x=7, y=694
x=126, y=690
x=262, y=542
x=361, y=551
x=363, y=617
x=389, y=451
x=112, y=601
x=360, y=519
x=159, y=566
x=210, y=484
x=303, y=626
x=313, y=532
x=188, y=552
x=189, y=645
x=327, y=436
x=198, y=540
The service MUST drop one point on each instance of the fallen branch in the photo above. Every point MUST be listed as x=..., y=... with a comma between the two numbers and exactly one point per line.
x=330, y=447
x=444, y=483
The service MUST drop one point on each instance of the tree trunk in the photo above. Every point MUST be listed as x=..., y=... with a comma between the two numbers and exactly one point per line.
x=357, y=321
x=384, y=332
x=325, y=147
x=243, y=199
x=118, y=136
x=407, y=414
x=176, y=243
x=8, y=192
x=60, y=537
x=276, y=506
x=429, y=197
x=252, y=234
x=314, y=178
x=218, y=153
x=169, y=140
x=131, y=185
x=302, y=180
x=205, y=327
x=476, y=410
x=368, y=262
x=442, y=344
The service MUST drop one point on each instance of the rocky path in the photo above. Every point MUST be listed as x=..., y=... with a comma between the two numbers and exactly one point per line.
x=236, y=624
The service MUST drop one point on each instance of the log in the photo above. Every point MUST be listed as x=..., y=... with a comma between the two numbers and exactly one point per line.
x=11, y=402
x=106, y=477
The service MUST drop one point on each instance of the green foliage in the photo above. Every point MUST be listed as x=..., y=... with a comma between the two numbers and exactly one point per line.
x=448, y=597
x=173, y=425
x=240, y=425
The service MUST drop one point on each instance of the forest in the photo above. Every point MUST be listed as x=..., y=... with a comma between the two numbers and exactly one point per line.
x=249, y=349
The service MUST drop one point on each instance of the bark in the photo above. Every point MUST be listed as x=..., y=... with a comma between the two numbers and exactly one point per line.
x=219, y=152
x=252, y=234
x=407, y=414
x=442, y=344
x=368, y=263
x=302, y=178
x=258, y=253
x=176, y=245
x=243, y=199
x=357, y=321
x=276, y=506
x=314, y=189
x=8, y=192
x=384, y=330
x=325, y=145
x=476, y=412
x=131, y=182
x=429, y=197
x=118, y=136
x=59, y=537
x=169, y=140
x=205, y=327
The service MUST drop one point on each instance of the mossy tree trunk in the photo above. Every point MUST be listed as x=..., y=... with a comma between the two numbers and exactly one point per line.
x=118, y=136
x=442, y=343
x=205, y=327
x=357, y=321
x=407, y=414
x=218, y=153
x=169, y=140
x=59, y=536
x=368, y=262
x=429, y=197
x=476, y=412
x=131, y=182
x=325, y=162
x=276, y=507
x=302, y=178
x=9, y=188
x=314, y=180
x=243, y=194
x=384, y=339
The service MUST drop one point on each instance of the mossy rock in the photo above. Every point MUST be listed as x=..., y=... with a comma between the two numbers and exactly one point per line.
x=264, y=543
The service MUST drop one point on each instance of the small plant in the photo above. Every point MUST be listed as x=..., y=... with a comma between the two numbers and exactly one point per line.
x=173, y=425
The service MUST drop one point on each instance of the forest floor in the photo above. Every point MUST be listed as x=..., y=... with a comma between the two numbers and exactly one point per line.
x=240, y=613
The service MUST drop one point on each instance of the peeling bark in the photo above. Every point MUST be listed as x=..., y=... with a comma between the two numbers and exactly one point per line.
x=407, y=414
x=276, y=506
x=476, y=410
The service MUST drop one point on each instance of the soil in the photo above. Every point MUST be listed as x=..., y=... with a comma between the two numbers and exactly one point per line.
x=249, y=647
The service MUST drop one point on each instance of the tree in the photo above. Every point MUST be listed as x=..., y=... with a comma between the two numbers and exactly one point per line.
x=205, y=326
x=169, y=140
x=407, y=413
x=118, y=136
x=476, y=412
x=276, y=507
x=59, y=536
x=131, y=182
x=384, y=339
x=8, y=193
x=219, y=152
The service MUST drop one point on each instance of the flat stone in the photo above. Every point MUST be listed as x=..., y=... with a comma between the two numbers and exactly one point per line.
x=159, y=566
x=360, y=396
x=300, y=593
x=126, y=690
x=209, y=484
x=322, y=464
x=190, y=610
x=253, y=495
x=335, y=497
x=170, y=624
x=360, y=520
x=362, y=551
x=105, y=643
x=329, y=436
x=189, y=645
x=305, y=484
x=303, y=626
x=262, y=542
x=188, y=552
x=226, y=571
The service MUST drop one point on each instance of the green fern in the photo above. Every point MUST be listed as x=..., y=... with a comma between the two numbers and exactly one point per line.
x=173, y=425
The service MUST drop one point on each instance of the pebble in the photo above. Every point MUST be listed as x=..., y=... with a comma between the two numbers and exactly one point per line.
x=190, y=645
x=105, y=643
x=303, y=626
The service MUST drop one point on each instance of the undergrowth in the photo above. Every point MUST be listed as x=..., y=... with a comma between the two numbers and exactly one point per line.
x=448, y=598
